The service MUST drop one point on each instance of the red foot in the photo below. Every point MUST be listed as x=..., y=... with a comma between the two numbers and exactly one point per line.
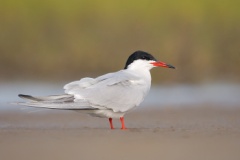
x=123, y=125
x=111, y=124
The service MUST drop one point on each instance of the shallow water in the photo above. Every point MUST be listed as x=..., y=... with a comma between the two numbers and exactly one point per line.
x=220, y=94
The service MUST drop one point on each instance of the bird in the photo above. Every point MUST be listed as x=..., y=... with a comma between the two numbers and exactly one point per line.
x=111, y=95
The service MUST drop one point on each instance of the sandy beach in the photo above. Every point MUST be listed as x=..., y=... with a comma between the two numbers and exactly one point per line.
x=170, y=133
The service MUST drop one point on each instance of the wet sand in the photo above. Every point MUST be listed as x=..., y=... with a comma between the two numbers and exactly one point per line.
x=170, y=133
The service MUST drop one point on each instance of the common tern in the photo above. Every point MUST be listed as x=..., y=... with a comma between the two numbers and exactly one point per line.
x=111, y=95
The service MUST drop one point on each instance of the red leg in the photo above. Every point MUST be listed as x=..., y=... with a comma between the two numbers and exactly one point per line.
x=111, y=124
x=122, y=121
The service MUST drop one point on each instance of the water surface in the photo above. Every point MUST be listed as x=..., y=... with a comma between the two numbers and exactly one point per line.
x=220, y=94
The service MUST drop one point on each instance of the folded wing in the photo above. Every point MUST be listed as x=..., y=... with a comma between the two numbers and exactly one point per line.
x=118, y=91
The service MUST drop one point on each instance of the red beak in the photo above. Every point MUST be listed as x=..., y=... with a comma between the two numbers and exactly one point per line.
x=162, y=64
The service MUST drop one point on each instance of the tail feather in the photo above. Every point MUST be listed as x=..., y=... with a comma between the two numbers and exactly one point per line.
x=52, y=98
x=64, y=101
x=28, y=97
x=70, y=106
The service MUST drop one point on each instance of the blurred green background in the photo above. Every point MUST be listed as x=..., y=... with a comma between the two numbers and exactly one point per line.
x=52, y=39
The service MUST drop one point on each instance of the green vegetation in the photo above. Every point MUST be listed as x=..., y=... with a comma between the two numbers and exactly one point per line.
x=49, y=39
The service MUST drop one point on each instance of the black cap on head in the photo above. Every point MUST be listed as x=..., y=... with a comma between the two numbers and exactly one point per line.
x=139, y=55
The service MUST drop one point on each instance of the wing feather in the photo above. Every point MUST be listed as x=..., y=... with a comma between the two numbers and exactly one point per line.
x=119, y=91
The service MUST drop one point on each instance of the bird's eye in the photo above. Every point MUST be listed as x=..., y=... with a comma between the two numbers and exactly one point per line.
x=144, y=57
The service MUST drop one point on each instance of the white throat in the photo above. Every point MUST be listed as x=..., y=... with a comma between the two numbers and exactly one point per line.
x=142, y=68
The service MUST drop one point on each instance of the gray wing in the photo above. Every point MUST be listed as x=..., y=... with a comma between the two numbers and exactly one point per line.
x=119, y=91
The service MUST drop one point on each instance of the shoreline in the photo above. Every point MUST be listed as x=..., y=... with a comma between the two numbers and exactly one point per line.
x=184, y=134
